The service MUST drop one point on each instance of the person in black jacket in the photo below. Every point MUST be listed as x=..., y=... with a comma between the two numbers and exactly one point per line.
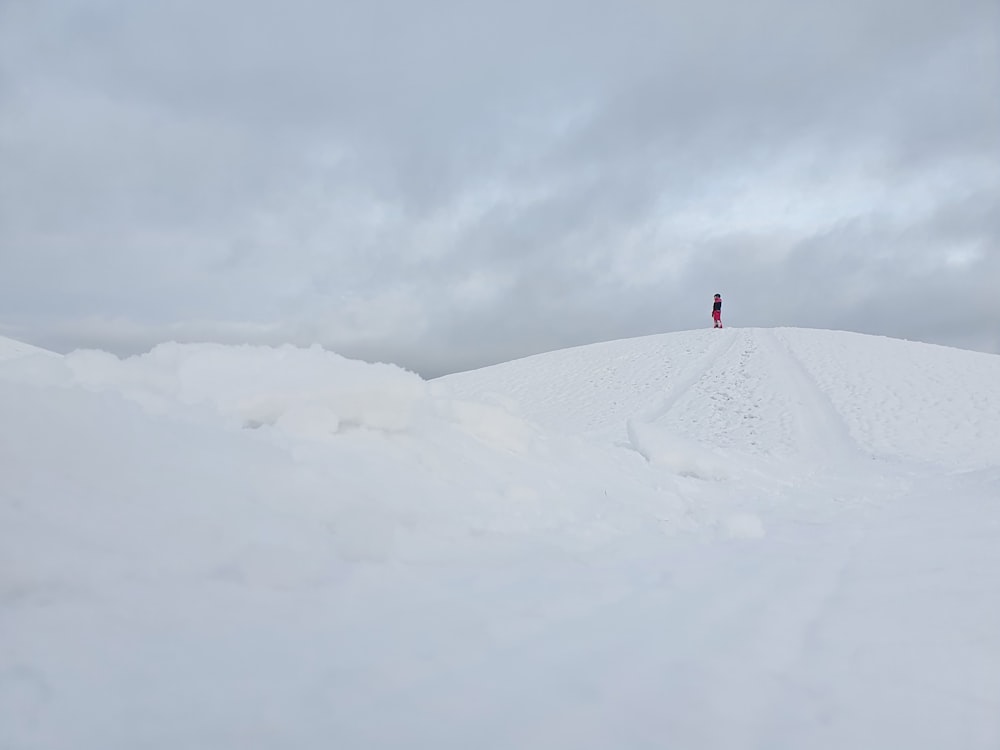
x=717, y=311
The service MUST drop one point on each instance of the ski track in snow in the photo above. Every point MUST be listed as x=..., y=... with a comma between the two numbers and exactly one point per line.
x=594, y=390
x=760, y=398
x=680, y=384
x=904, y=401
x=821, y=432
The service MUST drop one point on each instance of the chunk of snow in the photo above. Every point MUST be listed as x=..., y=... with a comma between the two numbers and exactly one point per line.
x=680, y=455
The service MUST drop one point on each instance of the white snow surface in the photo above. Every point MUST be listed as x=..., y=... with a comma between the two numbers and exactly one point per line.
x=738, y=538
x=12, y=349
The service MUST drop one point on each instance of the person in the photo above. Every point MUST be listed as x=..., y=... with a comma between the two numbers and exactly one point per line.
x=717, y=311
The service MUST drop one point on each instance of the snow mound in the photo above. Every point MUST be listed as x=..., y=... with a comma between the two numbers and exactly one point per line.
x=307, y=393
x=308, y=390
x=297, y=393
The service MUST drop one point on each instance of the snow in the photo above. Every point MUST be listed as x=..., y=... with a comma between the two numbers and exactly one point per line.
x=11, y=349
x=738, y=538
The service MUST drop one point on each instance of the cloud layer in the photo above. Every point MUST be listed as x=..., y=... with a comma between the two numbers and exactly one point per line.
x=447, y=184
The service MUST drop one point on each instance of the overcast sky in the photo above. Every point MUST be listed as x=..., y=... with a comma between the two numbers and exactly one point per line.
x=450, y=184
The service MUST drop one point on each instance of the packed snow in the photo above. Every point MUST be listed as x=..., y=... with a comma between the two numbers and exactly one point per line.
x=737, y=538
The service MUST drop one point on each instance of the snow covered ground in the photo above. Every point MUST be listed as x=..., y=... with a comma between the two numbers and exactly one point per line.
x=744, y=538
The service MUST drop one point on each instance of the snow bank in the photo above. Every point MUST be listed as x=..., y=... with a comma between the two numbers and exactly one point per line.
x=387, y=455
x=305, y=389
x=308, y=393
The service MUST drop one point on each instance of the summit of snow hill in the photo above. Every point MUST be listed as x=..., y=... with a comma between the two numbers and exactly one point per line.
x=736, y=538
x=782, y=391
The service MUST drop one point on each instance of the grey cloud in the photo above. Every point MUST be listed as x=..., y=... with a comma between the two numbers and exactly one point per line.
x=446, y=184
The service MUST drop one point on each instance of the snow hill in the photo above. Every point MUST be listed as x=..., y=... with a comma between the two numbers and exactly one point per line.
x=11, y=349
x=747, y=538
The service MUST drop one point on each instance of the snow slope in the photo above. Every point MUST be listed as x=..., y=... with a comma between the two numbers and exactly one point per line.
x=713, y=539
x=773, y=392
x=12, y=349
